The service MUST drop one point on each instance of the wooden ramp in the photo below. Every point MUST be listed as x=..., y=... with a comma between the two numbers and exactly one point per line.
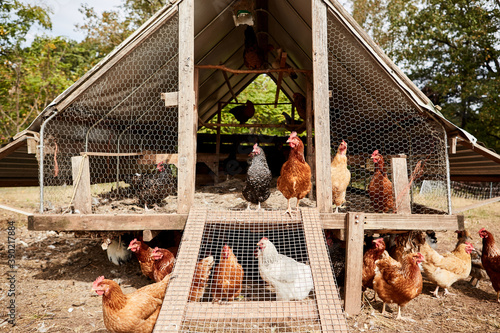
x=256, y=308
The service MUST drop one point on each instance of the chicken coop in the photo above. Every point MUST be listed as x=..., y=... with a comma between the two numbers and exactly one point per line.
x=123, y=149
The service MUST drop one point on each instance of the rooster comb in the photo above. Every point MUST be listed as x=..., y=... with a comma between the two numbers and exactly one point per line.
x=375, y=152
x=97, y=281
x=133, y=242
x=293, y=134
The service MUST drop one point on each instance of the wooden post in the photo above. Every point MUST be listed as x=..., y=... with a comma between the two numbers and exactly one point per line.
x=309, y=127
x=354, y=262
x=188, y=117
x=321, y=106
x=400, y=184
x=217, y=143
x=81, y=184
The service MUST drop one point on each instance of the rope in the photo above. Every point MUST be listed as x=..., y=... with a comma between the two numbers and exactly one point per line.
x=77, y=183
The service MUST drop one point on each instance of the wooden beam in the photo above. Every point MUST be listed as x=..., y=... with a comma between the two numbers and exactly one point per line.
x=188, y=114
x=245, y=125
x=400, y=184
x=309, y=127
x=280, y=78
x=82, y=200
x=373, y=221
x=105, y=222
x=152, y=158
x=254, y=71
x=321, y=106
x=354, y=262
x=252, y=310
x=453, y=145
x=170, y=98
x=229, y=86
x=110, y=154
x=476, y=205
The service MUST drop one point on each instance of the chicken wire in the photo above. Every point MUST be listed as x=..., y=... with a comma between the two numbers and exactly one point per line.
x=370, y=113
x=122, y=124
x=255, y=308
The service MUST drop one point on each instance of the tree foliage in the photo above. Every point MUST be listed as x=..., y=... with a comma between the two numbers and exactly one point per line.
x=450, y=49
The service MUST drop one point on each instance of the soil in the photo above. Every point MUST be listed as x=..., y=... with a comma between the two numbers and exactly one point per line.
x=54, y=274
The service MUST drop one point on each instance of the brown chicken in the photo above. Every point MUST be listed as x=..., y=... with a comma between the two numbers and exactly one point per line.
x=341, y=176
x=143, y=253
x=163, y=265
x=254, y=56
x=295, y=177
x=200, y=278
x=132, y=313
x=490, y=258
x=380, y=188
x=299, y=103
x=243, y=112
x=398, y=282
x=228, y=277
x=477, y=271
x=446, y=269
x=373, y=254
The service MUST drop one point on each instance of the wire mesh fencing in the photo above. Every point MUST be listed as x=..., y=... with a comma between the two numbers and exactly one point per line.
x=370, y=113
x=121, y=125
x=252, y=273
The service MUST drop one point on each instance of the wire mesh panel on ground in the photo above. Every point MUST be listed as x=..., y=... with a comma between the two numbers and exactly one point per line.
x=369, y=111
x=248, y=271
x=122, y=126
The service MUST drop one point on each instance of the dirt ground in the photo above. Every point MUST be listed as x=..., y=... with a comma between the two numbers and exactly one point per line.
x=54, y=273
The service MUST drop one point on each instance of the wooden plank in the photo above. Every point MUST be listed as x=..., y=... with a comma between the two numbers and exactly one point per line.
x=105, y=222
x=354, y=262
x=171, y=98
x=32, y=143
x=327, y=295
x=176, y=299
x=453, y=145
x=400, y=184
x=476, y=205
x=309, y=128
x=245, y=125
x=90, y=153
x=82, y=200
x=250, y=310
x=187, y=109
x=321, y=106
x=373, y=221
x=152, y=158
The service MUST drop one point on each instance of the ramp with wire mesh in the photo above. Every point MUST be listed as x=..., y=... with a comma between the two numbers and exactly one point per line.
x=255, y=308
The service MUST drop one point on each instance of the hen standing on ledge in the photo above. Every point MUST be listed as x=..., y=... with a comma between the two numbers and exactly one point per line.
x=295, y=177
x=258, y=178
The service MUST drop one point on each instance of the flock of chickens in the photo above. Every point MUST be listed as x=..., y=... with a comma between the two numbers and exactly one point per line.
x=137, y=312
x=396, y=274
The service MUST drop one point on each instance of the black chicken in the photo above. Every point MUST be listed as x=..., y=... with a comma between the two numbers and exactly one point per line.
x=289, y=121
x=154, y=187
x=243, y=112
x=258, y=178
x=336, y=249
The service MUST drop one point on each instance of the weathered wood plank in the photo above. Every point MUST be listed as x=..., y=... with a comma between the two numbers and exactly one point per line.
x=261, y=311
x=400, y=184
x=309, y=129
x=479, y=204
x=188, y=116
x=82, y=200
x=354, y=262
x=98, y=222
x=321, y=106
x=176, y=298
x=170, y=98
x=327, y=295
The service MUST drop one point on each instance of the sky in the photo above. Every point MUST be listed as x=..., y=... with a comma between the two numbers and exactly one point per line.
x=65, y=15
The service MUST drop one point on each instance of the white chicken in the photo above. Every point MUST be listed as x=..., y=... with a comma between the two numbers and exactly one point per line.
x=291, y=280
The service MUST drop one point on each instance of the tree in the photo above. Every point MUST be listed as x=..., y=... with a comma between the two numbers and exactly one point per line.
x=16, y=19
x=450, y=49
x=34, y=76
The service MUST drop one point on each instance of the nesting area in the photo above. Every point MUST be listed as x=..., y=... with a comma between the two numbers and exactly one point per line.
x=305, y=299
